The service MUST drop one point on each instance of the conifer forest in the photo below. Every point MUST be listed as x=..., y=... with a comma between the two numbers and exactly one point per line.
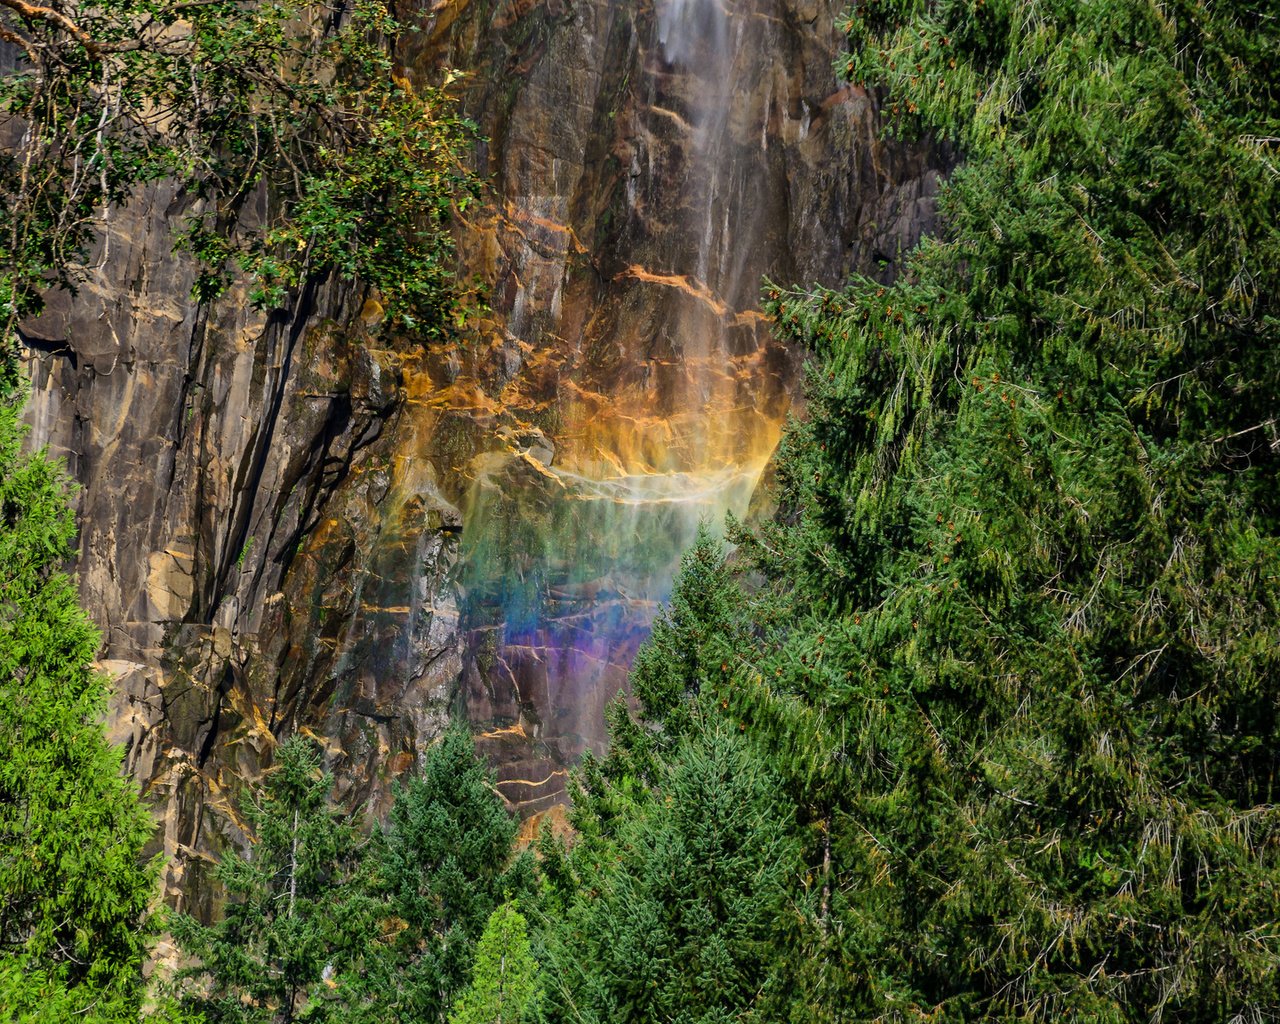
x=639, y=511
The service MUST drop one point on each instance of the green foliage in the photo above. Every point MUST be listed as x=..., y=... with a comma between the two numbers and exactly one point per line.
x=446, y=865
x=324, y=925
x=300, y=149
x=691, y=644
x=681, y=912
x=299, y=927
x=1015, y=649
x=504, y=975
x=75, y=888
x=691, y=638
x=1009, y=648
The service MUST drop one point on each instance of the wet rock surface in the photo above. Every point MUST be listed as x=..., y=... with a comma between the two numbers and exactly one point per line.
x=652, y=164
x=296, y=521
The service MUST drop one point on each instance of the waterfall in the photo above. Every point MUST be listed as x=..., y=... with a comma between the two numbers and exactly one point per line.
x=647, y=195
x=692, y=27
x=574, y=535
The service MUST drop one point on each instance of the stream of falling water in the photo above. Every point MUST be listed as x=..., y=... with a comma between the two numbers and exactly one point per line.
x=574, y=533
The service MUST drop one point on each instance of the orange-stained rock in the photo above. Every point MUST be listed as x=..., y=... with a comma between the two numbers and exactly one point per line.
x=651, y=164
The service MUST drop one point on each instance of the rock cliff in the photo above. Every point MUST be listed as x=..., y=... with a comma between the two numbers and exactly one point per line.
x=299, y=521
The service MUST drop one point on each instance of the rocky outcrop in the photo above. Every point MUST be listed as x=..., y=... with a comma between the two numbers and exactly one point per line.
x=297, y=521
x=259, y=549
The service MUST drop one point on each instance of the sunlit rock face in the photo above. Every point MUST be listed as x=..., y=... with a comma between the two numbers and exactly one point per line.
x=260, y=551
x=298, y=521
x=651, y=165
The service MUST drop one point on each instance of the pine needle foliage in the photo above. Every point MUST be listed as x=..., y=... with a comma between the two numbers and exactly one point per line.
x=690, y=640
x=1016, y=655
x=505, y=972
x=679, y=910
x=691, y=643
x=75, y=886
x=298, y=929
x=445, y=867
x=324, y=924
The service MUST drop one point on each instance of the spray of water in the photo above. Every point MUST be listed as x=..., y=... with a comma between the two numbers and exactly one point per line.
x=687, y=28
x=572, y=541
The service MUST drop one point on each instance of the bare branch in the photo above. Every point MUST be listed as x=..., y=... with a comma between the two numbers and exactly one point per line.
x=32, y=12
x=27, y=45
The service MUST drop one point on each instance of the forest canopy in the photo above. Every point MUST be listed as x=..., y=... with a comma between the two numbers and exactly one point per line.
x=1014, y=629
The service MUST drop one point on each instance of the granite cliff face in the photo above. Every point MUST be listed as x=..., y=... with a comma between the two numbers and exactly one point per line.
x=257, y=559
x=301, y=522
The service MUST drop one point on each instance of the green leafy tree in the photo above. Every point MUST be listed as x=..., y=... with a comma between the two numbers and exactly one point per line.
x=75, y=887
x=300, y=149
x=446, y=864
x=1015, y=648
x=298, y=932
x=505, y=972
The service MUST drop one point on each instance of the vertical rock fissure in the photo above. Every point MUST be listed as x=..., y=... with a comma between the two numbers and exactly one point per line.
x=275, y=380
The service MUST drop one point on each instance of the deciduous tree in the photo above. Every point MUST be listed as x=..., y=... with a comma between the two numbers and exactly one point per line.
x=298, y=148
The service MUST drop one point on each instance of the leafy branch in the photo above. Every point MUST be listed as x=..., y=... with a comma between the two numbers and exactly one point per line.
x=298, y=147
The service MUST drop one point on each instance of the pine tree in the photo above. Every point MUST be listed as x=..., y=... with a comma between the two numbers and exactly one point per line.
x=75, y=888
x=504, y=975
x=681, y=913
x=298, y=931
x=1015, y=650
x=693, y=641
x=691, y=638
x=445, y=864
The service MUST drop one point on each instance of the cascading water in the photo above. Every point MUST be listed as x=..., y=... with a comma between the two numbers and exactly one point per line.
x=658, y=160
x=579, y=549
x=688, y=27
